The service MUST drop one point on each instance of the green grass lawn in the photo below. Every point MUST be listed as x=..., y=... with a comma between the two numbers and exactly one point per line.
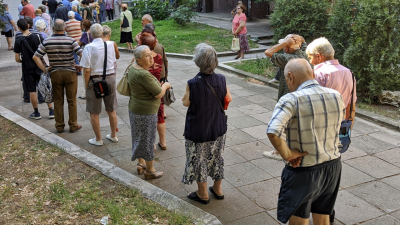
x=259, y=66
x=181, y=39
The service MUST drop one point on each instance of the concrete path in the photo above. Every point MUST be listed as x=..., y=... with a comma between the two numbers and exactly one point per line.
x=370, y=187
x=259, y=28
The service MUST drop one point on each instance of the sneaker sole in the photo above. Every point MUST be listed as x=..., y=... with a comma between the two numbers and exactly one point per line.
x=36, y=118
x=51, y=117
x=111, y=140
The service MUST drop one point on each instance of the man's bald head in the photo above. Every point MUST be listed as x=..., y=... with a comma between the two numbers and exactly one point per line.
x=59, y=25
x=297, y=71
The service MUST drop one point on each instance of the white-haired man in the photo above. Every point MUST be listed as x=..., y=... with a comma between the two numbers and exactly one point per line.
x=92, y=62
x=329, y=73
x=145, y=20
x=38, y=14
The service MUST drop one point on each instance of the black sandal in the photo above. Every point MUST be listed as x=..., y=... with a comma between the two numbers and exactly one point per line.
x=219, y=197
x=193, y=196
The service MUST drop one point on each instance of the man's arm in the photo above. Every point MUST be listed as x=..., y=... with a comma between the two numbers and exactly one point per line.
x=17, y=58
x=292, y=156
x=137, y=38
x=39, y=63
x=86, y=73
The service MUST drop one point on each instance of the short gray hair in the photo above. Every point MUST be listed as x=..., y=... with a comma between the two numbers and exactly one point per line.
x=71, y=14
x=205, y=57
x=148, y=18
x=43, y=8
x=96, y=30
x=137, y=53
x=322, y=46
x=150, y=26
x=59, y=25
x=106, y=30
x=40, y=25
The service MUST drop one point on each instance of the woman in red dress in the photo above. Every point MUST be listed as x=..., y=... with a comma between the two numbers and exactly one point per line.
x=150, y=40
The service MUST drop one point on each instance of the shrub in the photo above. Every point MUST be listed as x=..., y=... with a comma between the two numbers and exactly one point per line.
x=157, y=9
x=374, y=53
x=307, y=18
x=183, y=13
x=339, y=30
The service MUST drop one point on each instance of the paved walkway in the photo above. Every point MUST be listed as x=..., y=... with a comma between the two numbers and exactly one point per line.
x=257, y=28
x=370, y=187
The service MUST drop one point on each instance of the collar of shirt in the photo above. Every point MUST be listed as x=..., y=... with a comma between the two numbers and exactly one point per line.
x=329, y=62
x=307, y=83
x=97, y=40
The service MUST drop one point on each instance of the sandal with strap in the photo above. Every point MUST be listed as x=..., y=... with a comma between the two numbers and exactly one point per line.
x=152, y=174
x=140, y=168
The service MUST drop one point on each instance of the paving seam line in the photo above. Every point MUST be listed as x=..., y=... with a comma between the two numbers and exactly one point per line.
x=373, y=117
x=147, y=190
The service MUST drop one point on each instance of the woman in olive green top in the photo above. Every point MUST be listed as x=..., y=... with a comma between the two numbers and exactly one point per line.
x=86, y=11
x=145, y=99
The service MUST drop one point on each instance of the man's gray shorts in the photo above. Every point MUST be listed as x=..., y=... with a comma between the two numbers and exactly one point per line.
x=93, y=104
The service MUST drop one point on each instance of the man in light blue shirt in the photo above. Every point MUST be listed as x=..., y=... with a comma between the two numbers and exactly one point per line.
x=67, y=4
x=39, y=17
x=20, y=7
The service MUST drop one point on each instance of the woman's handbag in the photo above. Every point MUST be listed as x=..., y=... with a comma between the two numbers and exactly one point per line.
x=101, y=87
x=125, y=22
x=169, y=96
x=123, y=87
x=235, y=44
x=345, y=127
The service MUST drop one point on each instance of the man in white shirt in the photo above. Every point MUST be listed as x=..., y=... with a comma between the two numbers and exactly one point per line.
x=92, y=62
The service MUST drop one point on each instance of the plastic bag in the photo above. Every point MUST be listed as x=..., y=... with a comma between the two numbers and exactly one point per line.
x=235, y=44
x=45, y=87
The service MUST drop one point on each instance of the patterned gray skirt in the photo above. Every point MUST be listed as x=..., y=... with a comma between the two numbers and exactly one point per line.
x=143, y=131
x=204, y=159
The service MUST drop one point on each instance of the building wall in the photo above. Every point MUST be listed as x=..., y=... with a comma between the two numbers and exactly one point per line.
x=259, y=10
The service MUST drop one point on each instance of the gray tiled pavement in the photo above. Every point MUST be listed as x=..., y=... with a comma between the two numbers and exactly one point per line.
x=370, y=188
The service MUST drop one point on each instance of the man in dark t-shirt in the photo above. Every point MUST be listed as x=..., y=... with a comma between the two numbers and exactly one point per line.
x=24, y=48
x=52, y=4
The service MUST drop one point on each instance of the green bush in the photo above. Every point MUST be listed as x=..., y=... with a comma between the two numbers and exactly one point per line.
x=374, y=53
x=183, y=13
x=157, y=9
x=307, y=18
x=339, y=30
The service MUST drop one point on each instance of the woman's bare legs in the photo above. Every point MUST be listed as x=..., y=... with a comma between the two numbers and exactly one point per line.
x=161, y=133
x=218, y=187
x=202, y=191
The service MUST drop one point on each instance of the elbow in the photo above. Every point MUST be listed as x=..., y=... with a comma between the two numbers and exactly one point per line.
x=186, y=103
x=271, y=136
x=268, y=53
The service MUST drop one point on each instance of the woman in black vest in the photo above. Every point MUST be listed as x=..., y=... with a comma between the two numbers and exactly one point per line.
x=206, y=125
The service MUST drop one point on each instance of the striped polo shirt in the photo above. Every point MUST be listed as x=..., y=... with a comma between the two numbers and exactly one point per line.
x=73, y=28
x=310, y=117
x=59, y=48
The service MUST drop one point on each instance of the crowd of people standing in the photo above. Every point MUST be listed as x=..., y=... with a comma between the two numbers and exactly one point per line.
x=311, y=177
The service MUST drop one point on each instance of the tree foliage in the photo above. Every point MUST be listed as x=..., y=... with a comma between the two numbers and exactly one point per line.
x=304, y=17
x=2, y=9
x=373, y=54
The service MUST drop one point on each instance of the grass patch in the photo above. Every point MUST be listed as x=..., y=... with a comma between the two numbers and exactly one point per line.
x=259, y=66
x=40, y=184
x=181, y=39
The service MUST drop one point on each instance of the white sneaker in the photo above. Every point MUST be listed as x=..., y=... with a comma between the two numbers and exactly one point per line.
x=114, y=139
x=272, y=155
x=273, y=81
x=94, y=142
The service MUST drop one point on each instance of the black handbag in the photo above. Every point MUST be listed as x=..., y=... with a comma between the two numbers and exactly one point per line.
x=218, y=100
x=345, y=127
x=101, y=87
x=125, y=22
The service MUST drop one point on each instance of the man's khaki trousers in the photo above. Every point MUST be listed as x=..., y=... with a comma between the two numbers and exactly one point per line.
x=65, y=79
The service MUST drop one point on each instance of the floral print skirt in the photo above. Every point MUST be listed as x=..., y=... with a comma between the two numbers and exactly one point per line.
x=244, y=44
x=143, y=131
x=204, y=159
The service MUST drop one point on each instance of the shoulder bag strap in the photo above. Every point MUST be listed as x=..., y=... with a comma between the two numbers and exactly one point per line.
x=352, y=97
x=88, y=38
x=215, y=94
x=105, y=61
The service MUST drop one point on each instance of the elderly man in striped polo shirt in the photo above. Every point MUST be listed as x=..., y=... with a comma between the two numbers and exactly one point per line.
x=310, y=116
x=59, y=49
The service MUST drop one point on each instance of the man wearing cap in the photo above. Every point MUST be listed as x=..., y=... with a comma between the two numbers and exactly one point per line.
x=292, y=46
x=233, y=12
x=309, y=147
x=38, y=14
x=28, y=9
